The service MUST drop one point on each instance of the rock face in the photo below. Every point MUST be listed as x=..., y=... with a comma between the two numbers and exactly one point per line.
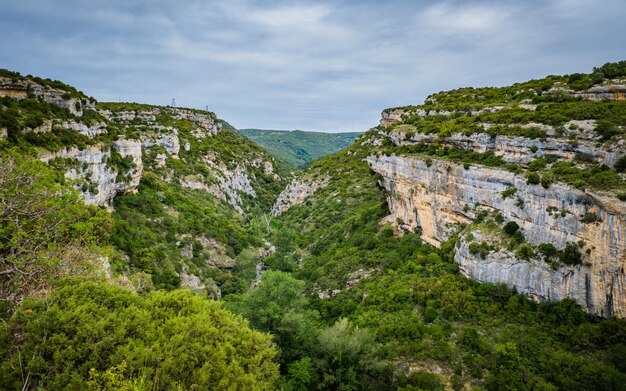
x=295, y=193
x=169, y=142
x=438, y=196
x=97, y=180
x=609, y=90
x=523, y=150
x=20, y=89
x=208, y=125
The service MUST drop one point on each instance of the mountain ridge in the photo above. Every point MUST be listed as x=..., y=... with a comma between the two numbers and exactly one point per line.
x=298, y=147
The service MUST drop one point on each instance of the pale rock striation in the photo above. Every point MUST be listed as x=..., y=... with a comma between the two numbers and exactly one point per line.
x=20, y=89
x=93, y=168
x=169, y=141
x=608, y=90
x=518, y=149
x=296, y=193
x=89, y=131
x=437, y=196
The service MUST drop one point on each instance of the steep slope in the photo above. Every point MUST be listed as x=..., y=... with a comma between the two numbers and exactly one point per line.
x=461, y=202
x=538, y=156
x=299, y=148
x=191, y=189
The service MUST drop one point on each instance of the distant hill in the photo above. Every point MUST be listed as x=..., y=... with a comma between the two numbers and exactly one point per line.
x=298, y=147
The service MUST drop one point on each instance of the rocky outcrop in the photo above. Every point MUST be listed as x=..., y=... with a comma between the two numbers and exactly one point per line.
x=437, y=196
x=598, y=290
x=20, y=89
x=205, y=121
x=523, y=150
x=208, y=124
x=609, y=90
x=89, y=131
x=392, y=116
x=169, y=141
x=90, y=169
x=296, y=193
x=212, y=252
x=234, y=181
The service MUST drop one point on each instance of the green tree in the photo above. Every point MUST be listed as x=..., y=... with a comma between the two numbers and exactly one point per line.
x=343, y=355
x=88, y=334
x=45, y=230
x=278, y=306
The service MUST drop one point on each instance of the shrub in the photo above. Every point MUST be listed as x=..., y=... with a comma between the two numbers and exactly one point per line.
x=533, y=148
x=525, y=251
x=620, y=164
x=571, y=255
x=548, y=251
x=547, y=180
x=533, y=178
x=607, y=129
x=508, y=192
x=589, y=217
x=511, y=228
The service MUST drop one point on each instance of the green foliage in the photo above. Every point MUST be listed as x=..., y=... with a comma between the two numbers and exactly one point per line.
x=511, y=228
x=525, y=251
x=343, y=350
x=533, y=178
x=571, y=255
x=299, y=148
x=620, y=165
x=612, y=69
x=93, y=334
x=277, y=306
x=147, y=230
x=508, y=192
x=548, y=251
x=45, y=230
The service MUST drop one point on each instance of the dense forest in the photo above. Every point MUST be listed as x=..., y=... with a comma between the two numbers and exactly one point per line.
x=297, y=147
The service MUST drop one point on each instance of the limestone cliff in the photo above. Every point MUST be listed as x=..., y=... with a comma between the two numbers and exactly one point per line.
x=436, y=196
x=66, y=97
x=296, y=193
x=93, y=174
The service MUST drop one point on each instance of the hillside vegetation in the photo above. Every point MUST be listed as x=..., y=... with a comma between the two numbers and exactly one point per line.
x=299, y=148
x=139, y=249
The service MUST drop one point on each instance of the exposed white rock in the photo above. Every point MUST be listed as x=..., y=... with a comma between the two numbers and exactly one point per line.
x=517, y=149
x=20, y=89
x=46, y=127
x=436, y=198
x=169, y=141
x=93, y=168
x=296, y=193
x=89, y=131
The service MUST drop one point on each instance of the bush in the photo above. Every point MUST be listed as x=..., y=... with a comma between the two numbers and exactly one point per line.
x=508, y=192
x=525, y=251
x=511, y=228
x=547, y=180
x=571, y=255
x=548, y=251
x=620, y=165
x=533, y=178
x=607, y=129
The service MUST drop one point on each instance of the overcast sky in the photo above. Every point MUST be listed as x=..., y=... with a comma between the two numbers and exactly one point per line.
x=312, y=65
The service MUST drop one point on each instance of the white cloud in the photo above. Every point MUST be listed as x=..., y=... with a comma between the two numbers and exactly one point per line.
x=303, y=64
